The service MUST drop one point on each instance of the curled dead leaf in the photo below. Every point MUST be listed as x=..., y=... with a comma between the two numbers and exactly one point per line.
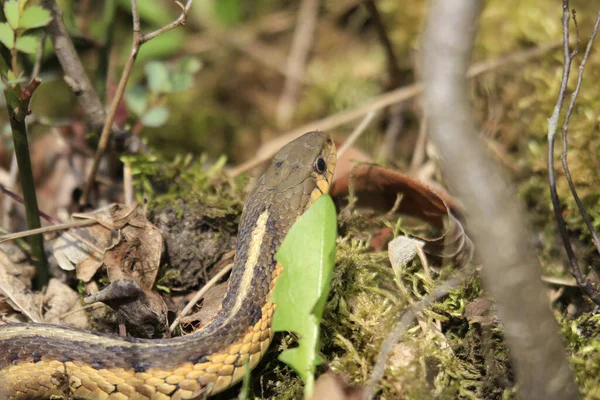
x=378, y=187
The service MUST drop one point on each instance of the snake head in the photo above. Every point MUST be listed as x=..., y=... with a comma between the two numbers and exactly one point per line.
x=303, y=168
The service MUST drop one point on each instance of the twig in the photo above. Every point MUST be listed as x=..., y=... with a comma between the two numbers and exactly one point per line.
x=20, y=200
x=48, y=229
x=496, y=221
x=199, y=295
x=356, y=133
x=306, y=26
x=93, y=305
x=17, y=102
x=53, y=221
x=559, y=281
x=407, y=319
x=385, y=100
x=565, y=127
x=392, y=60
x=585, y=285
x=392, y=131
x=420, y=148
x=138, y=41
x=71, y=64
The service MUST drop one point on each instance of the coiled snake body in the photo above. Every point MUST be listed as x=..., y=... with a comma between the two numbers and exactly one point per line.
x=40, y=361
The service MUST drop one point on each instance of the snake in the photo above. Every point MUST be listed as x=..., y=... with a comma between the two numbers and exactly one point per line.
x=44, y=361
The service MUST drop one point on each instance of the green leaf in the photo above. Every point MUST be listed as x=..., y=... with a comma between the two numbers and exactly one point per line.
x=7, y=36
x=161, y=47
x=34, y=17
x=28, y=44
x=136, y=100
x=158, y=77
x=22, y=4
x=155, y=117
x=307, y=255
x=182, y=76
x=11, y=12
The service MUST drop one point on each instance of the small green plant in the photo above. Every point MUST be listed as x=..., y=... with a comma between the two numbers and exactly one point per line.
x=307, y=255
x=20, y=18
x=162, y=78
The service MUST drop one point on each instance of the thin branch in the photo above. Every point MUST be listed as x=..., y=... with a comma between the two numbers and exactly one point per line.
x=496, y=220
x=586, y=286
x=392, y=60
x=75, y=75
x=20, y=200
x=56, y=224
x=137, y=42
x=48, y=229
x=359, y=130
x=198, y=296
x=304, y=34
x=565, y=127
x=385, y=100
x=401, y=326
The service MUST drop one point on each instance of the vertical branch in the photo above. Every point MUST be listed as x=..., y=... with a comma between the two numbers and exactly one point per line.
x=568, y=55
x=75, y=75
x=17, y=102
x=511, y=272
x=565, y=132
x=392, y=60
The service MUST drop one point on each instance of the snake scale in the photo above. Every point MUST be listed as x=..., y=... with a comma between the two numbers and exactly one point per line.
x=41, y=361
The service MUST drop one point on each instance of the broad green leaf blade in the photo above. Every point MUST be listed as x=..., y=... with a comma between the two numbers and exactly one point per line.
x=182, y=75
x=136, y=100
x=34, y=17
x=11, y=12
x=28, y=44
x=155, y=117
x=158, y=74
x=7, y=36
x=307, y=255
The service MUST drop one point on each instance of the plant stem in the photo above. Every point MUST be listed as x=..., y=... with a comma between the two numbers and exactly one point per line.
x=17, y=101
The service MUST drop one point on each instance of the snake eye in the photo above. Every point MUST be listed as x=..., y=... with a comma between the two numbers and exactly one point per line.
x=320, y=165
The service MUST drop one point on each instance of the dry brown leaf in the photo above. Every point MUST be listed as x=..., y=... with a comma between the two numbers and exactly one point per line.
x=130, y=248
x=17, y=266
x=61, y=301
x=137, y=255
x=116, y=216
x=17, y=294
x=211, y=302
x=124, y=241
x=379, y=187
x=72, y=253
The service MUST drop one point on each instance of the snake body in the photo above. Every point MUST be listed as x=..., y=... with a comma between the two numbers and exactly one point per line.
x=41, y=361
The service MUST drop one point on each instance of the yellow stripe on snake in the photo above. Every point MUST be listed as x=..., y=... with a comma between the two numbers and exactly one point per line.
x=40, y=361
